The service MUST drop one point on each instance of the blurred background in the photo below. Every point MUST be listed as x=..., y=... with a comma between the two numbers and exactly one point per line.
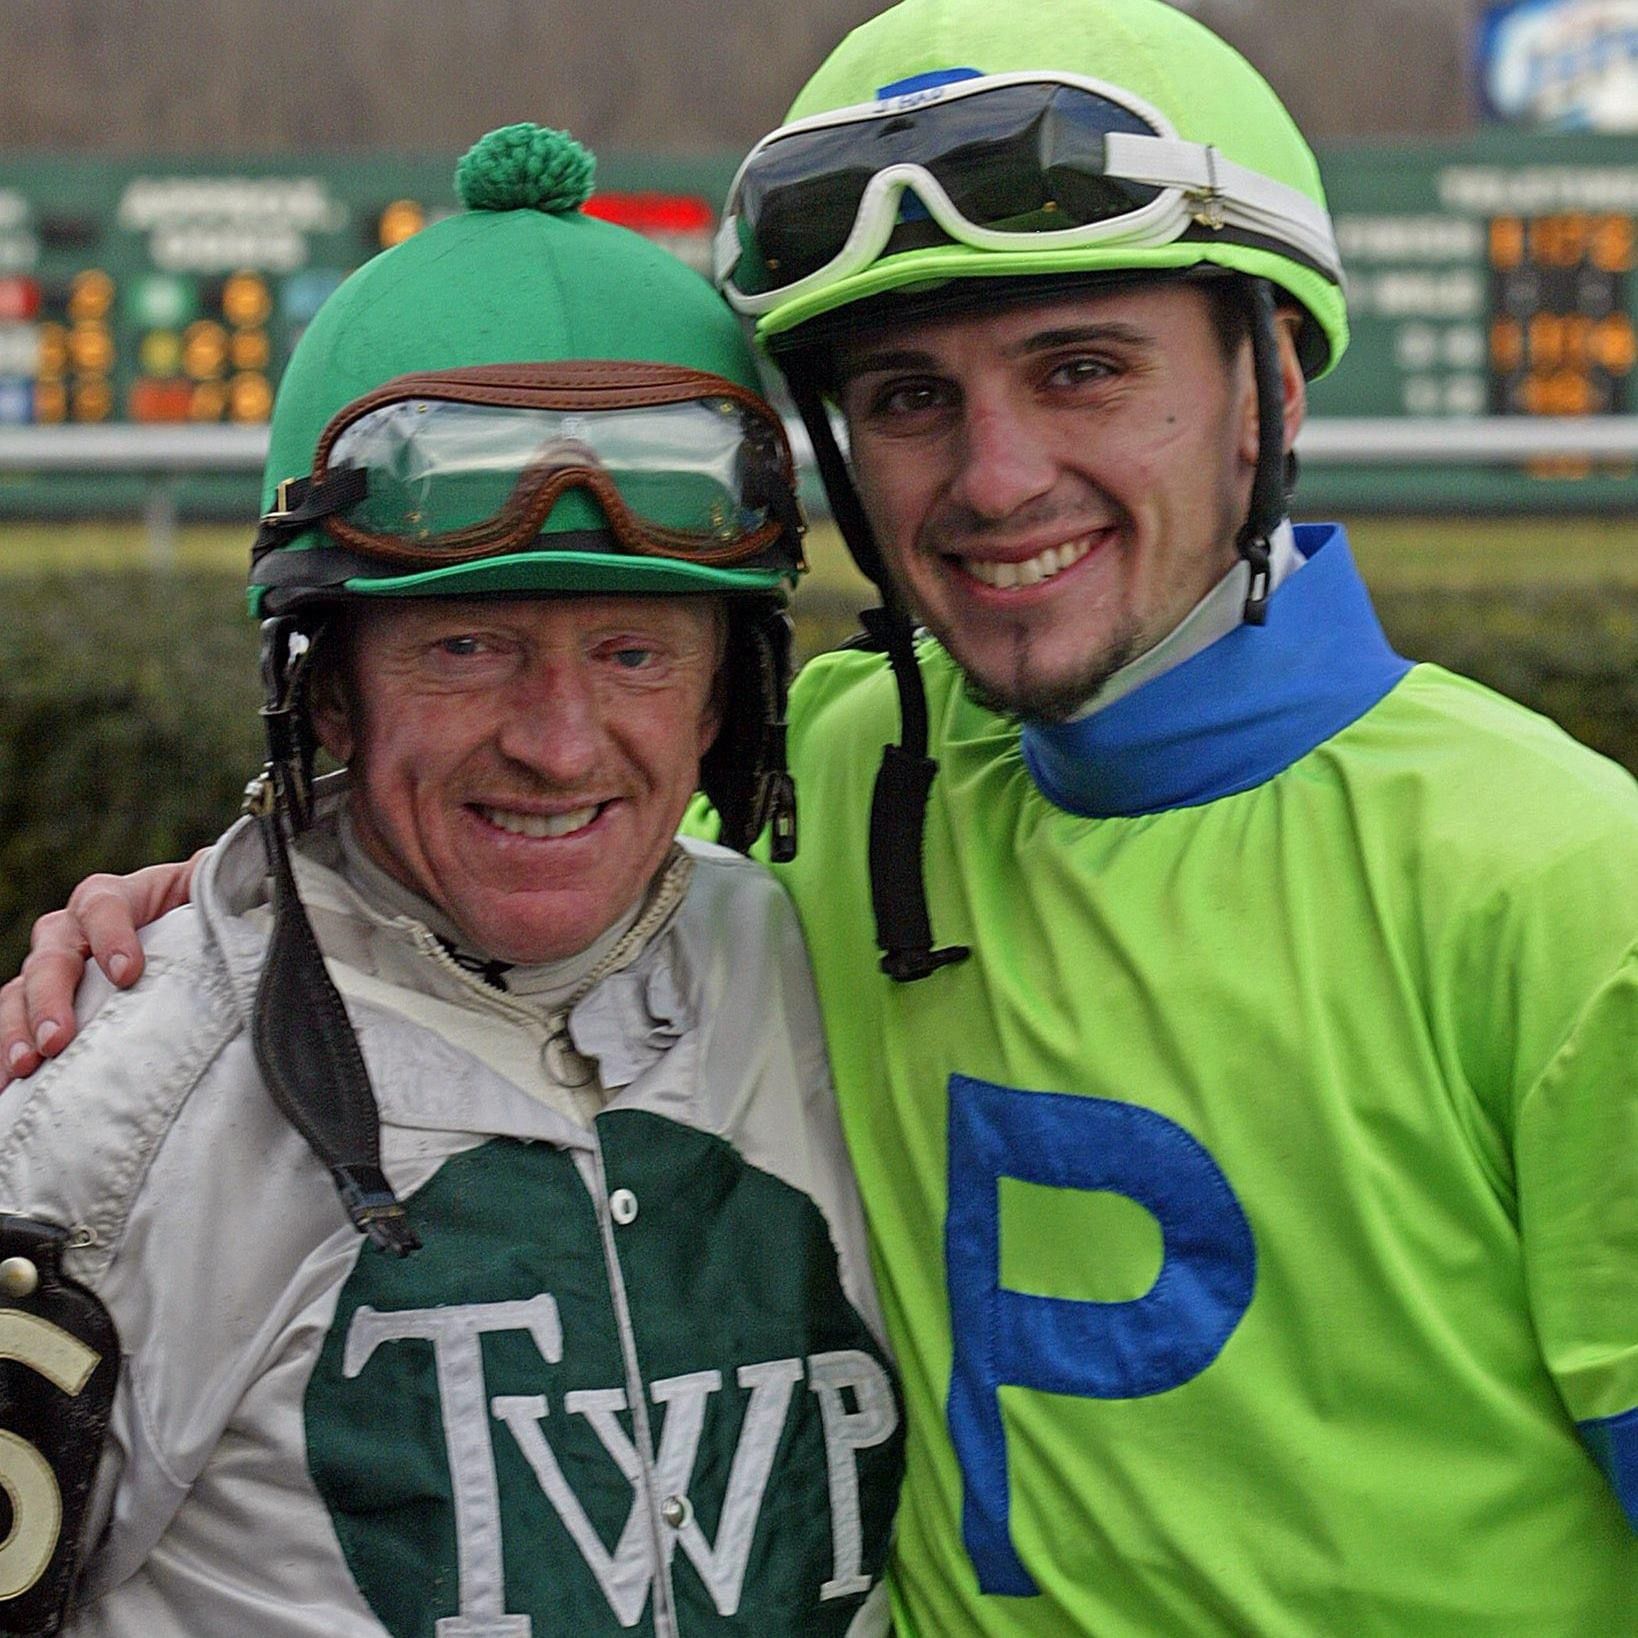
x=182, y=184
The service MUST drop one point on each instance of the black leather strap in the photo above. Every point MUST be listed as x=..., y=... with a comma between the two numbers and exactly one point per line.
x=898, y=804
x=898, y=818
x=300, y=1032
x=302, y=502
x=1268, y=485
x=309, y=1058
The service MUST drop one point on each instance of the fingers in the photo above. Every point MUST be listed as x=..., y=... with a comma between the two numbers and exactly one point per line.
x=18, y=1054
x=104, y=912
x=100, y=923
x=37, y=1006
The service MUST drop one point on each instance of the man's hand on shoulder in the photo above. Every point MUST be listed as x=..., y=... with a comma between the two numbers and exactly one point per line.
x=100, y=924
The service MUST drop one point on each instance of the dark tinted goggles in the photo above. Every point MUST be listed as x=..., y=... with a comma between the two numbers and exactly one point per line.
x=1004, y=162
x=1016, y=159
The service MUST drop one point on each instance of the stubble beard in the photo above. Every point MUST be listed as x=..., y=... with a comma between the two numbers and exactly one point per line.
x=1020, y=694
x=1025, y=697
x=1015, y=689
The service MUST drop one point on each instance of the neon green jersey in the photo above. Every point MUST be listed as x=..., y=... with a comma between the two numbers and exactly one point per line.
x=1256, y=1210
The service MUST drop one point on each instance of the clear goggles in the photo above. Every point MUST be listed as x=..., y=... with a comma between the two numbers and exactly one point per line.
x=448, y=466
x=1002, y=162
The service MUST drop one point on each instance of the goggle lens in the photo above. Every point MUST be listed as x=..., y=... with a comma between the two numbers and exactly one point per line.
x=1020, y=159
x=436, y=468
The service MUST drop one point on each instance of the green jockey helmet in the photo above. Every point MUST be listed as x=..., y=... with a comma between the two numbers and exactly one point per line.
x=522, y=398
x=960, y=139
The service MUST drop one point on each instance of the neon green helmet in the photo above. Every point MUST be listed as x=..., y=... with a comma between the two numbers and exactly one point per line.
x=1219, y=174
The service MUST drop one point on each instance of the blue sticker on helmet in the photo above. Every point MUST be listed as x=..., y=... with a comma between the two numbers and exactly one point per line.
x=929, y=81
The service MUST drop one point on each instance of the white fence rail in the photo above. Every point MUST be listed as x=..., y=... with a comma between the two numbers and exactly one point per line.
x=164, y=453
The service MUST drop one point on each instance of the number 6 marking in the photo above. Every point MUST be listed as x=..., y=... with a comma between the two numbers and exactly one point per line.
x=25, y=1475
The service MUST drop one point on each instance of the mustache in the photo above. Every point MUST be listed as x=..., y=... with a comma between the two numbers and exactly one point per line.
x=956, y=524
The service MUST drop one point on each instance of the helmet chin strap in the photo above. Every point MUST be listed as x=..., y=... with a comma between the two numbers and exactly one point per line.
x=303, y=1041
x=898, y=804
x=1268, y=484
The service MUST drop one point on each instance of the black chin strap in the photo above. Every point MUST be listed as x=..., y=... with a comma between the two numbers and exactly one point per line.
x=898, y=805
x=1268, y=483
x=303, y=1040
x=302, y=502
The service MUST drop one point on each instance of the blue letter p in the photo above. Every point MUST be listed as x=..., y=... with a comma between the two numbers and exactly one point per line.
x=1099, y=1350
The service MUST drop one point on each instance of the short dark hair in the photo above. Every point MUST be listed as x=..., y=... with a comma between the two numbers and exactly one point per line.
x=1228, y=303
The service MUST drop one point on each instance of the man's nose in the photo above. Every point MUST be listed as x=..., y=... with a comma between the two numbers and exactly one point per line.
x=552, y=722
x=1005, y=464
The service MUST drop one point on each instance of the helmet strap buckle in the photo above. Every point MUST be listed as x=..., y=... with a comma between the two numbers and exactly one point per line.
x=1256, y=554
x=1208, y=201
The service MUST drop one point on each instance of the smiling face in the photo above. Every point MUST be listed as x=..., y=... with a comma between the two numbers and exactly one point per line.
x=1055, y=486
x=524, y=764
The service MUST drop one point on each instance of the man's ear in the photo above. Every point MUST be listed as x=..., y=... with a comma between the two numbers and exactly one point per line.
x=1287, y=321
x=330, y=705
x=1293, y=387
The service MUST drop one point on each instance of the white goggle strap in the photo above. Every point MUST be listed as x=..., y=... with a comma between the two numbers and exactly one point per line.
x=1226, y=194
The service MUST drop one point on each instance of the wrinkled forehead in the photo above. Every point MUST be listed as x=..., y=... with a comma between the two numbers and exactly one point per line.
x=366, y=636
x=547, y=615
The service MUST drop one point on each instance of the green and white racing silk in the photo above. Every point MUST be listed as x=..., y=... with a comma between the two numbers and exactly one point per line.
x=633, y=1380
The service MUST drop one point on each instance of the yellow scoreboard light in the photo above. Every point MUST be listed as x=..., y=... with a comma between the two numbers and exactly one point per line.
x=400, y=220
x=246, y=301
x=250, y=397
x=1614, y=343
x=160, y=352
x=204, y=349
x=50, y=401
x=91, y=348
x=90, y=295
x=207, y=401
x=92, y=399
x=249, y=350
x=52, y=362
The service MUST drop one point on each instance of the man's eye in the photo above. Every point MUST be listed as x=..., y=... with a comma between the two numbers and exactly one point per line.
x=1075, y=372
x=632, y=659
x=907, y=398
x=463, y=645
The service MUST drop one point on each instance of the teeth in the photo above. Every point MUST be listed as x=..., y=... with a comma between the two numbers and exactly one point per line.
x=1032, y=570
x=539, y=825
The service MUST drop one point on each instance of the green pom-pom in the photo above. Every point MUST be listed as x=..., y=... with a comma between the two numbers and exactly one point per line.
x=525, y=167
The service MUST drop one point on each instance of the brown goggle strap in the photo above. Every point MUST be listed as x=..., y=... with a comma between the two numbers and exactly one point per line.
x=529, y=505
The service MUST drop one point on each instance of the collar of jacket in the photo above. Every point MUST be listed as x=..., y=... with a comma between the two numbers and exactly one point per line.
x=1238, y=712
